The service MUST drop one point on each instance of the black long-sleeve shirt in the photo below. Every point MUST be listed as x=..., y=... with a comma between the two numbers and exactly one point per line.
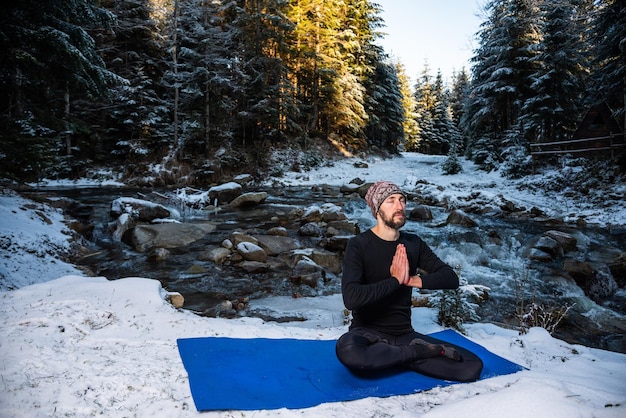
x=375, y=298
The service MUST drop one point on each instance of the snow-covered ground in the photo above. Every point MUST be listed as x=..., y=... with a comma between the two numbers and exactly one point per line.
x=423, y=174
x=78, y=346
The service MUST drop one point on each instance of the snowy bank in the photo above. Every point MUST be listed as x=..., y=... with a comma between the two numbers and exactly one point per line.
x=78, y=346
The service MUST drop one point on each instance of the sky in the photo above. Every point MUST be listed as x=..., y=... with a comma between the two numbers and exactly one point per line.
x=86, y=346
x=440, y=32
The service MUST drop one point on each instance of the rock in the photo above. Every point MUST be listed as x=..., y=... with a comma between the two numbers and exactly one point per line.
x=225, y=193
x=159, y=254
x=175, y=299
x=251, y=252
x=196, y=269
x=458, y=217
x=278, y=231
x=335, y=242
x=618, y=269
x=237, y=237
x=508, y=206
x=349, y=188
x=597, y=284
x=537, y=254
x=249, y=199
x=217, y=255
x=253, y=266
x=169, y=235
x=310, y=229
x=351, y=227
x=122, y=224
x=274, y=244
x=421, y=213
x=566, y=241
x=578, y=270
x=82, y=228
x=494, y=237
x=71, y=207
x=306, y=271
x=243, y=179
x=467, y=237
x=332, y=213
x=536, y=212
x=602, y=286
x=364, y=188
x=141, y=210
x=224, y=310
x=357, y=180
x=328, y=260
x=550, y=246
x=312, y=214
x=331, y=231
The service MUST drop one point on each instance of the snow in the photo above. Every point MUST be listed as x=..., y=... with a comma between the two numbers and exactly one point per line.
x=126, y=204
x=423, y=173
x=30, y=234
x=84, y=346
x=230, y=186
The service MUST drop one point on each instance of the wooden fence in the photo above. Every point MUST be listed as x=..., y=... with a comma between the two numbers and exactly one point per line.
x=607, y=143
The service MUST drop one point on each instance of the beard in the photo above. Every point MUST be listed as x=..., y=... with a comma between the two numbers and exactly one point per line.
x=392, y=223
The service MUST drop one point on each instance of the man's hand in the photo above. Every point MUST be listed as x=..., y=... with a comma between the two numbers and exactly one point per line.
x=400, y=265
x=415, y=281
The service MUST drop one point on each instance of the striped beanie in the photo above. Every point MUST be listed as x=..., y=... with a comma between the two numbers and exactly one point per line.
x=378, y=192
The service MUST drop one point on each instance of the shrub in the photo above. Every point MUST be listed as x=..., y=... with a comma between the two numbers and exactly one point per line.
x=455, y=307
x=536, y=314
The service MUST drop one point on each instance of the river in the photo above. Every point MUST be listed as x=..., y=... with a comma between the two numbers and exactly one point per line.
x=492, y=254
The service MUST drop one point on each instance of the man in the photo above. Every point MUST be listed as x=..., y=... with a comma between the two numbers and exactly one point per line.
x=380, y=270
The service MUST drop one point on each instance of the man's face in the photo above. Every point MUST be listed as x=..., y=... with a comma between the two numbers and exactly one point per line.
x=392, y=211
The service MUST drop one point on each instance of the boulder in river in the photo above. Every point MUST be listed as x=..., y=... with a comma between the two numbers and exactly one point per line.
x=168, y=235
x=249, y=199
x=141, y=210
x=225, y=193
x=251, y=252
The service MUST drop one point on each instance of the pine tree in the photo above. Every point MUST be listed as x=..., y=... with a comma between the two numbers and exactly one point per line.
x=504, y=61
x=459, y=94
x=437, y=128
x=409, y=124
x=49, y=60
x=608, y=41
x=138, y=119
x=552, y=111
x=263, y=101
x=386, y=113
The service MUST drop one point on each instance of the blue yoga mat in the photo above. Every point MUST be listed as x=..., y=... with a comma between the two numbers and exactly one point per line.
x=261, y=373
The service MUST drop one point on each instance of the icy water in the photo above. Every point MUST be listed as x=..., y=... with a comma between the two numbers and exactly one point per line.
x=492, y=254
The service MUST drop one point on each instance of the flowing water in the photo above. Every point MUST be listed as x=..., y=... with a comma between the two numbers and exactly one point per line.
x=492, y=254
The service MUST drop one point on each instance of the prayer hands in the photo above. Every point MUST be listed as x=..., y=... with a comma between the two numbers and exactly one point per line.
x=400, y=268
x=400, y=265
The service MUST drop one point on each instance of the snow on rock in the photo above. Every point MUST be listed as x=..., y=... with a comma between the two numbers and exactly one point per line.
x=251, y=252
x=225, y=193
x=142, y=210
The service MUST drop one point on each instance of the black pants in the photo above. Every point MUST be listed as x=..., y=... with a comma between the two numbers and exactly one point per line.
x=369, y=352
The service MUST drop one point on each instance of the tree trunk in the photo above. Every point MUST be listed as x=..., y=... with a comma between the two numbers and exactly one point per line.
x=66, y=117
x=207, y=117
x=175, y=70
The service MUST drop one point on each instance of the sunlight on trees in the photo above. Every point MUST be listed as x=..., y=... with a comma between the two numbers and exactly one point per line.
x=172, y=82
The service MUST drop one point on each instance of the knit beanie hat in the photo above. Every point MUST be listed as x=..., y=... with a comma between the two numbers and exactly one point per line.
x=378, y=192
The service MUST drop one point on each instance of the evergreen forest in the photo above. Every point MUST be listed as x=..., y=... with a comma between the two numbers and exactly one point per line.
x=185, y=91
